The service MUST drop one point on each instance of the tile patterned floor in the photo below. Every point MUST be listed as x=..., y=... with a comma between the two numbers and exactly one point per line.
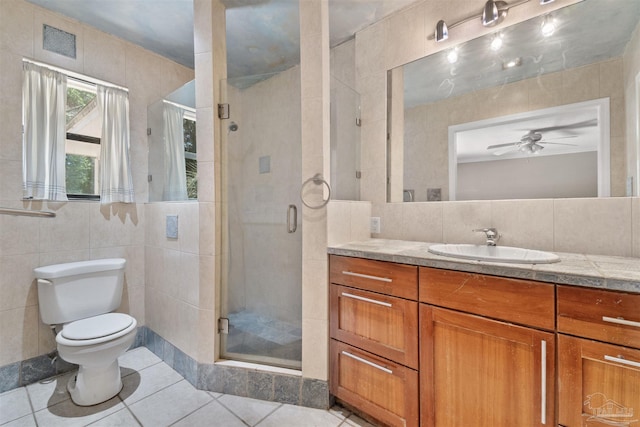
x=155, y=395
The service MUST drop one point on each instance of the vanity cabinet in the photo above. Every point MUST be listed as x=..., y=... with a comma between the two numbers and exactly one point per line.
x=477, y=367
x=374, y=338
x=598, y=357
x=433, y=347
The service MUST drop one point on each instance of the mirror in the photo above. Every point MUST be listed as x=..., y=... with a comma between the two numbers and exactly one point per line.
x=540, y=117
x=173, y=167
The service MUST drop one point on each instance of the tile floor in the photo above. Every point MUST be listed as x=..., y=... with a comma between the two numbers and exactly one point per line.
x=155, y=395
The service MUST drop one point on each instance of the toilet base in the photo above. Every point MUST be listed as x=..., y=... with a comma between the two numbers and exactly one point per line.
x=93, y=385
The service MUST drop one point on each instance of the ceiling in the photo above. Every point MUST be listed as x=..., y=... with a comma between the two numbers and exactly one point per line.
x=263, y=36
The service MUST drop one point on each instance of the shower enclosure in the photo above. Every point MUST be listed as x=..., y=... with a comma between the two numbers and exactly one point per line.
x=262, y=242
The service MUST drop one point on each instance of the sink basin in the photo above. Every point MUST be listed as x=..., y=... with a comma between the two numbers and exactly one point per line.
x=494, y=253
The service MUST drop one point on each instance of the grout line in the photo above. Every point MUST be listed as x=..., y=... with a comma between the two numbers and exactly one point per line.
x=194, y=411
x=129, y=409
x=260, y=420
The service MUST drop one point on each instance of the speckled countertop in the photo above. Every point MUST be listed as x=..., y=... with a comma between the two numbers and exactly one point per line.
x=596, y=271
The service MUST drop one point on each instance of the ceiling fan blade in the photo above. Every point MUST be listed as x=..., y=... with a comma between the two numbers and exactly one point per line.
x=508, y=144
x=586, y=123
x=556, y=143
x=504, y=151
x=562, y=137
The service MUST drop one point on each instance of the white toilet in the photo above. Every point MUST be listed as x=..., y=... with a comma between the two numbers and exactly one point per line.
x=79, y=297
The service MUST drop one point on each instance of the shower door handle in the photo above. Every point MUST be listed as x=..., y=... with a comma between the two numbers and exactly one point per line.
x=292, y=226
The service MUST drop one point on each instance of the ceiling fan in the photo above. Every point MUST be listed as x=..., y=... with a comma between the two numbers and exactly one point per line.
x=531, y=142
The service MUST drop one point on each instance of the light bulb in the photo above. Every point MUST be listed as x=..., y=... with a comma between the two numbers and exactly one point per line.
x=452, y=56
x=496, y=42
x=548, y=26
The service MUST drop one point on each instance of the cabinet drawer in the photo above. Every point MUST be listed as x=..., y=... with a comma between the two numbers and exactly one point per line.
x=383, y=389
x=378, y=276
x=513, y=300
x=384, y=325
x=598, y=383
x=598, y=314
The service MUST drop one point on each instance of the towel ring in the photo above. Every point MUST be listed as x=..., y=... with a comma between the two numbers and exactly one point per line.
x=317, y=179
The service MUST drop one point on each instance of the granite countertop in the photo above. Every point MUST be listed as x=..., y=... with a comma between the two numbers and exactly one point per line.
x=596, y=271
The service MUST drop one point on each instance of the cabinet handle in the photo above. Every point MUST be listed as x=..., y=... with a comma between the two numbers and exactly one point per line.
x=372, y=301
x=366, y=362
x=543, y=381
x=620, y=321
x=622, y=360
x=366, y=276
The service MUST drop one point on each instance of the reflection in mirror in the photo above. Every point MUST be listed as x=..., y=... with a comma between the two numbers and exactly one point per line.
x=173, y=168
x=345, y=141
x=513, y=108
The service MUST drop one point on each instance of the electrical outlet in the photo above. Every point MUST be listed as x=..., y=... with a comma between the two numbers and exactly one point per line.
x=375, y=224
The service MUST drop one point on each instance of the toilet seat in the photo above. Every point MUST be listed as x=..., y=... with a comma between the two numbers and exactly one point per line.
x=96, y=329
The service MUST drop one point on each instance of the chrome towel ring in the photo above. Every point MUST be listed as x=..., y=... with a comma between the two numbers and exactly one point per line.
x=317, y=179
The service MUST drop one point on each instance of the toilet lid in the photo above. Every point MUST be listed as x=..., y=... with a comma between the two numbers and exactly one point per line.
x=97, y=326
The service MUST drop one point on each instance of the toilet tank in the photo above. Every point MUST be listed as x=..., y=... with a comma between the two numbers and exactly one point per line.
x=76, y=290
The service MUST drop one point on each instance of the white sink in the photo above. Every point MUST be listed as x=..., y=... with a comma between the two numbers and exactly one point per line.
x=494, y=253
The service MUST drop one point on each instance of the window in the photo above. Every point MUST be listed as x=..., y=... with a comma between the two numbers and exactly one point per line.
x=82, y=147
x=190, y=158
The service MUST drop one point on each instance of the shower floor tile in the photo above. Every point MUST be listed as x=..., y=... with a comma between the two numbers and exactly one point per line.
x=155, y=395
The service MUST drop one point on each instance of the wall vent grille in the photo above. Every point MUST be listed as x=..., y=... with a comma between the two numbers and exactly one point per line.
x=58, y=41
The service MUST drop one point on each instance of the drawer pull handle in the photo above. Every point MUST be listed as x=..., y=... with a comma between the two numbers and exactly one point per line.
x=543, y=381
x=620, y=359
x=620, y=321
x=372, y=301
x=366, y=362
x=366, y=276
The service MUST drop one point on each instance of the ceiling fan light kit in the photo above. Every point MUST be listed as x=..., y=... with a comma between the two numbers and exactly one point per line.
x=530, y=142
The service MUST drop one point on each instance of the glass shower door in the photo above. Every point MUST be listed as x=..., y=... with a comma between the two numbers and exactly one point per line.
x=262, y=282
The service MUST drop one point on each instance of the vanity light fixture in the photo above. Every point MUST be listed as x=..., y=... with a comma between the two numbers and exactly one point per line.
x=496, y=42
x=548, y=26
x=490, y=13
x=442, y=32
x=493, y=13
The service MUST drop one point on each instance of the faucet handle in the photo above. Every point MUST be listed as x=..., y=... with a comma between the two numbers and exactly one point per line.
x=492, y=235
x=490, y=232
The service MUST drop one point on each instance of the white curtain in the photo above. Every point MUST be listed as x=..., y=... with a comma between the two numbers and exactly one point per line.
x=116, y=184
x=175, y=177
x=44, y=99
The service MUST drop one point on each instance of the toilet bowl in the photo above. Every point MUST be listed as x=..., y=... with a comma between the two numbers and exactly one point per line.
x=95, y=343
x=80, y=297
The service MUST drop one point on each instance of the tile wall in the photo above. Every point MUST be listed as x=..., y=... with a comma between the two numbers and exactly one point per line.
x=81, y=230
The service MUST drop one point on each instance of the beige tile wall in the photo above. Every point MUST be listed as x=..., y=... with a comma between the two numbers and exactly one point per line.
x=315, y=99
x=607, y=226
x=347, y=221
x=81, y=230
x=172, y=274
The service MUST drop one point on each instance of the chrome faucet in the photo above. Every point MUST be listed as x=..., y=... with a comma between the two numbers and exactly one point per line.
x=492, y=235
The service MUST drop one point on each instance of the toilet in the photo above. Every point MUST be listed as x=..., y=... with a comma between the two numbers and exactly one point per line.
x=79, y=298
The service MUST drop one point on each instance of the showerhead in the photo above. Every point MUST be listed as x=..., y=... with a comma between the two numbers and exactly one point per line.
x=233, y=126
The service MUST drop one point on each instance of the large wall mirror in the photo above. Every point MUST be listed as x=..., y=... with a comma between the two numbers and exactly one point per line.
x=519, y=114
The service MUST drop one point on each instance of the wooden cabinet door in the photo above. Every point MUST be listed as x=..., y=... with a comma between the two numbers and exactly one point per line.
x=484, y=373
x=598, y=384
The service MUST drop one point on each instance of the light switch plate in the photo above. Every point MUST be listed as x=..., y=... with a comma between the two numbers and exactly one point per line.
x=172, y=226
x=375, y=224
